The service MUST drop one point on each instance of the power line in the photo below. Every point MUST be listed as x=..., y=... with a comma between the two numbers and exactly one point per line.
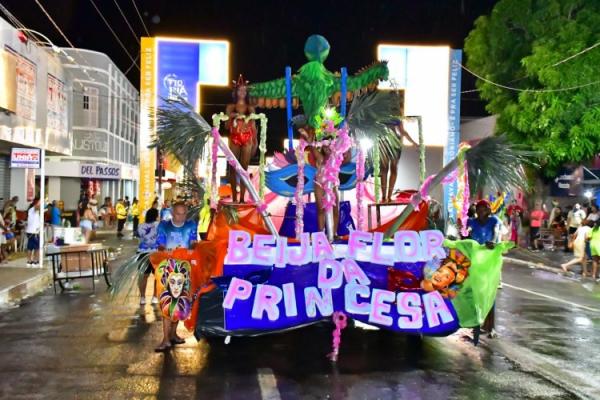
x=137, y=57
x=141, y=19
x=127, y=22
x=113, y=32
x=576, y=54
x=54, y=23
x=528, y=90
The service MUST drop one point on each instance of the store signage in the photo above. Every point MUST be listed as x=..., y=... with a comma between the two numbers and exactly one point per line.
x=25, y=158
x=100, y=171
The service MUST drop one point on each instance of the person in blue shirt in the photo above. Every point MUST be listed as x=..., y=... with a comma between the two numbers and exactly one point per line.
x=177, y=232
x=173, y=234
x=55, y=215
x=147, y=233
x=484, y=227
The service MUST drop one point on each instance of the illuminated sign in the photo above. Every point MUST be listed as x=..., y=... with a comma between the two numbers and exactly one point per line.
x=25, y=158
x=183, y=65
x=173, y=68
x=422, y=72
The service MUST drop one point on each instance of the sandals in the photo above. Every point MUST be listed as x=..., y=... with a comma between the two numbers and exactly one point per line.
x=162, y=348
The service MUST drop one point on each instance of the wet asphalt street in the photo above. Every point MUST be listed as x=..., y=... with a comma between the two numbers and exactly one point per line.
x=81, y=345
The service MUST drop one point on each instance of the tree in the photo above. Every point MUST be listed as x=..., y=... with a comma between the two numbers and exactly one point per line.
x=521, y=44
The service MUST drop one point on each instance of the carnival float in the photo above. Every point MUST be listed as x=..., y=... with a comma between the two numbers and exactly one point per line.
x=251, y=278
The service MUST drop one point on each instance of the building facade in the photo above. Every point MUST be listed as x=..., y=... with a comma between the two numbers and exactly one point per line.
x=105, y=126
x=35, y=104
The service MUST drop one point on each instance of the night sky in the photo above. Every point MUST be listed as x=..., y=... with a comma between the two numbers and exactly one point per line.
x=265, y=35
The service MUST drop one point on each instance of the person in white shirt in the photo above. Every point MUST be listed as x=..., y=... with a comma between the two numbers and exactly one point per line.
x=33, y=233
x=574, y=219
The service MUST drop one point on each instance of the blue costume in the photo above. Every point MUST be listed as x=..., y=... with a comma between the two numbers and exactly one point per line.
x=483, y=233
x=172, y=237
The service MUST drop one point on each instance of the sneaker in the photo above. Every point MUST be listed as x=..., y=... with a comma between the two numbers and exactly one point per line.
x=492, y=334
x=154, y=300
x=500, y=285
x=142, y=301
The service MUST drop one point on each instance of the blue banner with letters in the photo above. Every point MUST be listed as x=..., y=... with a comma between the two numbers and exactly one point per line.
x=405, y=286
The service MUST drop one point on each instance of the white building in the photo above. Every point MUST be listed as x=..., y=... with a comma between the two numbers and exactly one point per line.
x=35, y=100
x=105, y=117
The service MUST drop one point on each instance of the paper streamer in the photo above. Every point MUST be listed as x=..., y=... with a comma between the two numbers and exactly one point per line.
x=360, y=187
x=341, y=321
x=299, y=194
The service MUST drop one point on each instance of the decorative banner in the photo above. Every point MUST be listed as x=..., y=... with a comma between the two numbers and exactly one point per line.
x=147, y=159
x=405, y=286
x=451, y=150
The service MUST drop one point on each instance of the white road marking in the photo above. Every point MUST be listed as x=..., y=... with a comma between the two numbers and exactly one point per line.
x=559, y=300
x=268, y=384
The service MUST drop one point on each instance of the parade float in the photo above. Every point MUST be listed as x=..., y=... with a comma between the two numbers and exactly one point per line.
x=250, y=278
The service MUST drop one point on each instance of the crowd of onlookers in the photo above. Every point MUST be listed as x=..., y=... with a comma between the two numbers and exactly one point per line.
x=574, y=228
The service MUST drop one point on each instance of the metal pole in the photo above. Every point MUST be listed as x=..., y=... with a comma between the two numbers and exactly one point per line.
x=42, y=204
x=288, y=103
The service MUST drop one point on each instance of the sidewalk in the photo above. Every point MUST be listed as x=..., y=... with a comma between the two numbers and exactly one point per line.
x=17, y=281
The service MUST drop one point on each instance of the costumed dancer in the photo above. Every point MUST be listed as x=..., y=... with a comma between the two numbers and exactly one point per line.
x=484, y=229
x=175, y=302
x=390, y=163
x=243, y=140
x=319, y=155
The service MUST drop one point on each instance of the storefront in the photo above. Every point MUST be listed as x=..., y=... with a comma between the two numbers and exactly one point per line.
x=67, y=180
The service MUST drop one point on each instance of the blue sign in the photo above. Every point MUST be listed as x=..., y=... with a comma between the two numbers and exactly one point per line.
x=183, y=65
x=451, y=150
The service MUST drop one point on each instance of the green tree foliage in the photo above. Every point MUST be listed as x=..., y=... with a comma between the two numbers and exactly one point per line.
x=518, y=45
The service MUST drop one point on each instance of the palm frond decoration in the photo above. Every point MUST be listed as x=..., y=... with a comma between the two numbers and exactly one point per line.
x=126, y=278
x=498, y=165
x=183, y=133
x=494, y=163
x=369, y=117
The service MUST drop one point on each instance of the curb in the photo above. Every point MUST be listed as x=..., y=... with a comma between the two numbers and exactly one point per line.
x=536, y=265
x=12, y=296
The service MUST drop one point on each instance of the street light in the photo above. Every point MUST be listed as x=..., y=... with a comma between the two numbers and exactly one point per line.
x=46, y=43
x=588, y=195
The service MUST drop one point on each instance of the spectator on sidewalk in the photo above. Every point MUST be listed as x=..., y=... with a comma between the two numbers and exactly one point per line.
x=554, y=213
x=3, y=232
x=575, y=218
x=88, y=221
x=147, y=233
x=579, y=244
x=135, y=216
x=121, y=217
x=55, y=214
x=34, y=225
x=593, y=214
x=536, y=218
x=166, y=213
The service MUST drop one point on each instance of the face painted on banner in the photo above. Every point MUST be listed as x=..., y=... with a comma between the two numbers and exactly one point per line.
x=175, y=299
x=175, y=282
